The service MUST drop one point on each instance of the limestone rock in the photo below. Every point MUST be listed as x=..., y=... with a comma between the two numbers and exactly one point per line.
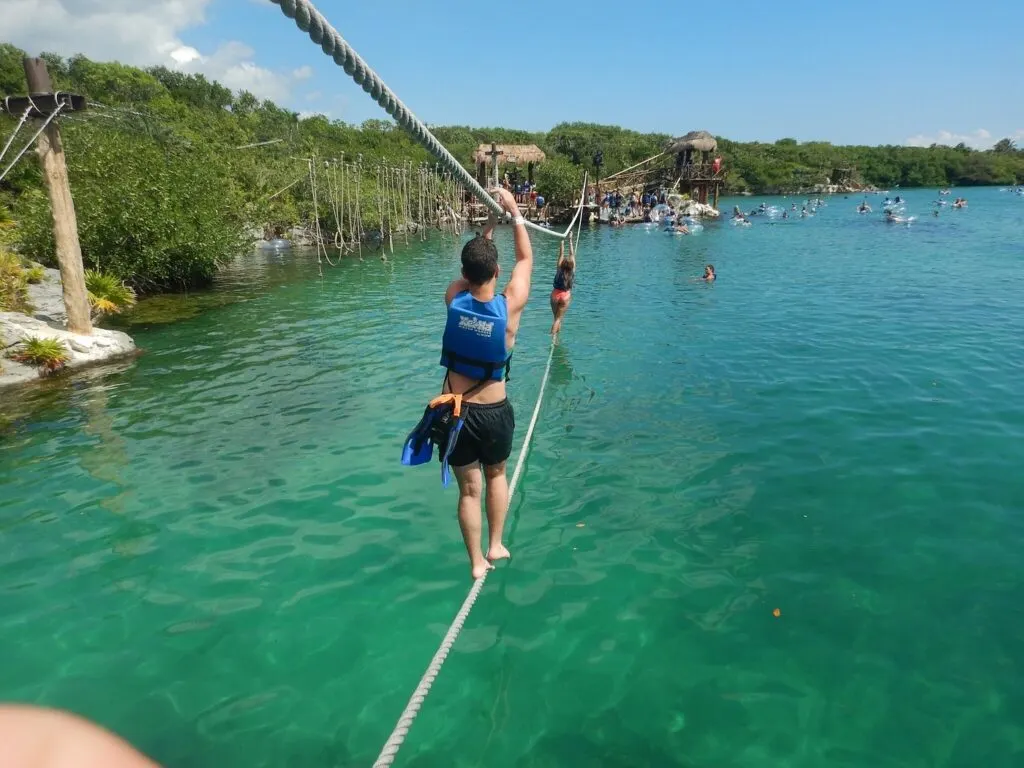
x=692, y=208
x=102, y=346
x=47, y=298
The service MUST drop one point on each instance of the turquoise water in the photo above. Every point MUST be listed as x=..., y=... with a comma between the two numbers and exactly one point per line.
x=214, y=551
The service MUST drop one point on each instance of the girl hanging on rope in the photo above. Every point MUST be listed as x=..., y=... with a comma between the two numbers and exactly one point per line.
x=565, y=275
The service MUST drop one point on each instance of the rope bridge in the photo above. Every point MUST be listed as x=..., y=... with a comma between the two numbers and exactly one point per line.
x=311, y=21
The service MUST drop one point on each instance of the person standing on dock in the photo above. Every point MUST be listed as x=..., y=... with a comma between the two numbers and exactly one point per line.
x=479, y=335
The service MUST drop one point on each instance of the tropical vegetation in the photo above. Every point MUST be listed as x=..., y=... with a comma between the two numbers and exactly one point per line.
x=173, y=174
x=108, y=295
x=49, y=354
x=14, y=279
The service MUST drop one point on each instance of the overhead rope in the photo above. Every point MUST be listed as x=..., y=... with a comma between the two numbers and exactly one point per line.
x=320, y=31
x=14, y=134
x=25, y=149
x=412, y=709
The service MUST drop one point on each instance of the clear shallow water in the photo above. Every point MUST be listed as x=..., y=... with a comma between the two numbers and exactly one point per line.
x=214, y=551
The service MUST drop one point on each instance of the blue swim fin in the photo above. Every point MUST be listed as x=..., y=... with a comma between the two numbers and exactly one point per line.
x=418, y=448
x=453, y=436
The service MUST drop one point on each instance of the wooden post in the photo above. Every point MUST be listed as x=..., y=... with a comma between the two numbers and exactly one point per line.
x=62, y=206
x=495, y=153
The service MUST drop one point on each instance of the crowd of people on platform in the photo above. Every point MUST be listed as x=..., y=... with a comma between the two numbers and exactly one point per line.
x=525, y=192
x=616, y=207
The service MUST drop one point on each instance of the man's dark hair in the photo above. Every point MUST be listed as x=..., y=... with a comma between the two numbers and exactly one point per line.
x=479, y=260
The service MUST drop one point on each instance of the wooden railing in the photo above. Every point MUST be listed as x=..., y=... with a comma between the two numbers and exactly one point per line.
x=699, y=172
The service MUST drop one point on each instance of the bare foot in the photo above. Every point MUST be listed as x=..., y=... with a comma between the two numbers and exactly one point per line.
x=498, y=553
x=480, y=570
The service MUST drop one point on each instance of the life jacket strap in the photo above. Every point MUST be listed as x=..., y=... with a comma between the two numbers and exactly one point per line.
x=488, y=366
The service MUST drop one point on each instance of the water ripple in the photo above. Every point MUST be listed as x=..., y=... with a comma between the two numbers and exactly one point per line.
x=221, y=530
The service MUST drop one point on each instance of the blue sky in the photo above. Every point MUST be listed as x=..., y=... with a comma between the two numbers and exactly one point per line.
x=893, y=72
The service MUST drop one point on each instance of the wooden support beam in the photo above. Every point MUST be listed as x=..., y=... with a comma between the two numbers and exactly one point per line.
x=62, y=206
x=42, y=105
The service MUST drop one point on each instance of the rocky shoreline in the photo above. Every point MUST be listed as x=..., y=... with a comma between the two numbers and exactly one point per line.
x=48, y=320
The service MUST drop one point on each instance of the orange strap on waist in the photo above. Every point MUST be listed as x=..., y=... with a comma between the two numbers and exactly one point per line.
x=448, y=397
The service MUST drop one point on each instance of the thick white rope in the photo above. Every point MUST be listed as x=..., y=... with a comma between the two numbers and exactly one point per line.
x=30, y=141
x=320, y=31
x=17, y=128
x=394, y=742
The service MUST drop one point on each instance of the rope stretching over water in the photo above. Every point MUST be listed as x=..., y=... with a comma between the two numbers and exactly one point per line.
x=394, y=742
x=320, y=31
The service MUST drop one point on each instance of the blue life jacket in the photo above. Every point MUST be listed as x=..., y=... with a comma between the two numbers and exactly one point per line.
x=474, y=338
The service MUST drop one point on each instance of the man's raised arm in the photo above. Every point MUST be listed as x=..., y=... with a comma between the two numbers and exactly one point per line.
x=518, y=289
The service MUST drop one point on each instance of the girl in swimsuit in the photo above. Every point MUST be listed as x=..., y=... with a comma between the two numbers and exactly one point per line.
x=561, y=296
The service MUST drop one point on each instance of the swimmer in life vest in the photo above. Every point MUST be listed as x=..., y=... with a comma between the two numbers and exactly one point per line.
x=479, y=335
x=565, y=276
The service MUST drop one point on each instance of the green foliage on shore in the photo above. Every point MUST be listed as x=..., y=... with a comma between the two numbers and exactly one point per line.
x=559, y=181
x=49, y=354
x=167, y=186
x=788, y=165
x=14, y=280
x=156, y=215
x=107, y=294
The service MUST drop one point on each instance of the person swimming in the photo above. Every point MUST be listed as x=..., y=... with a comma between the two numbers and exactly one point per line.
x=565, y=277
x=709, y=273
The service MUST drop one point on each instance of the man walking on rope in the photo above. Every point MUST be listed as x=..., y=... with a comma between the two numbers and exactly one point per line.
x=477, y=348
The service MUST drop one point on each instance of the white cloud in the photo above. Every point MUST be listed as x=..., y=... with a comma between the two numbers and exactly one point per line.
x=232, y=65
x=314, y=113
x=141, y=33
x=185, y=54
x=313, y=95
x=978, y=139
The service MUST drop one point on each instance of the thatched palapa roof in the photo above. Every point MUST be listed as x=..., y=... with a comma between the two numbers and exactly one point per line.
x=513, y=154
x=701, y=141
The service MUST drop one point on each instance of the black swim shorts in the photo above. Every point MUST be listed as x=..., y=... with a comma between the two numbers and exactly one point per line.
x=486, y=434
